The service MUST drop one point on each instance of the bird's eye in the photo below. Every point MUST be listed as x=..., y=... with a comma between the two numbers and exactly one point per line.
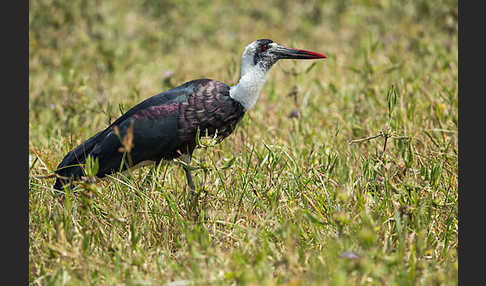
x=264, y=48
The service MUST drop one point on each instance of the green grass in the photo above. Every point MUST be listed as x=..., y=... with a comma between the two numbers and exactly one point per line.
x=282, y=200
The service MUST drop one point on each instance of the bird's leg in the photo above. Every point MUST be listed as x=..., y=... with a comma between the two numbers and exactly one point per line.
x=193, y=197
x=190, y=183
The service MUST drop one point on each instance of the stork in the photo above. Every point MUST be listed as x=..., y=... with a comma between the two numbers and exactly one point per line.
x=165, y=126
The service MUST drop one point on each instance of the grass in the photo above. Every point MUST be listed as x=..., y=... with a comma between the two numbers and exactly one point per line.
x=285, y=199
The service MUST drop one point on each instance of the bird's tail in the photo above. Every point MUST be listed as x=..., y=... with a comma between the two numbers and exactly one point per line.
x=70, y=166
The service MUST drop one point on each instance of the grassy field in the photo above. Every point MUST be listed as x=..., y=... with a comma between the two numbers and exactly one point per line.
x=289, y=200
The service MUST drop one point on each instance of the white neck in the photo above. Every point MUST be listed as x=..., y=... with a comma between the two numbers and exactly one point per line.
x=248, y=88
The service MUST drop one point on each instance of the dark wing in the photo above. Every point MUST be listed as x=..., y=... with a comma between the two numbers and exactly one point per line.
x=177, y=94
x=211, y=110
x=155, y=134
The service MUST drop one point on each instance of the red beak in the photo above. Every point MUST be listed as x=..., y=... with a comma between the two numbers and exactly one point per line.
x=289, y=53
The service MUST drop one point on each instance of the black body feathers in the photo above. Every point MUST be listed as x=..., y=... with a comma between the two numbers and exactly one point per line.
x=163, y=127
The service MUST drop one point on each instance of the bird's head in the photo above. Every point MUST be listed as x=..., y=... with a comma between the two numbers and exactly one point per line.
x=264, y=53
x=256, y=61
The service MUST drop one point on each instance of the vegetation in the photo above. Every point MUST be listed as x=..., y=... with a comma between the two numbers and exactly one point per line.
x=302, y=193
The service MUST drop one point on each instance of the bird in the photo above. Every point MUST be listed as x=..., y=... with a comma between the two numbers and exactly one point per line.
x=166, y=126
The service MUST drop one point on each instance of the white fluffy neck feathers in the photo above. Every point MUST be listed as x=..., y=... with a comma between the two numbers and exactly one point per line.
x=248, y=89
